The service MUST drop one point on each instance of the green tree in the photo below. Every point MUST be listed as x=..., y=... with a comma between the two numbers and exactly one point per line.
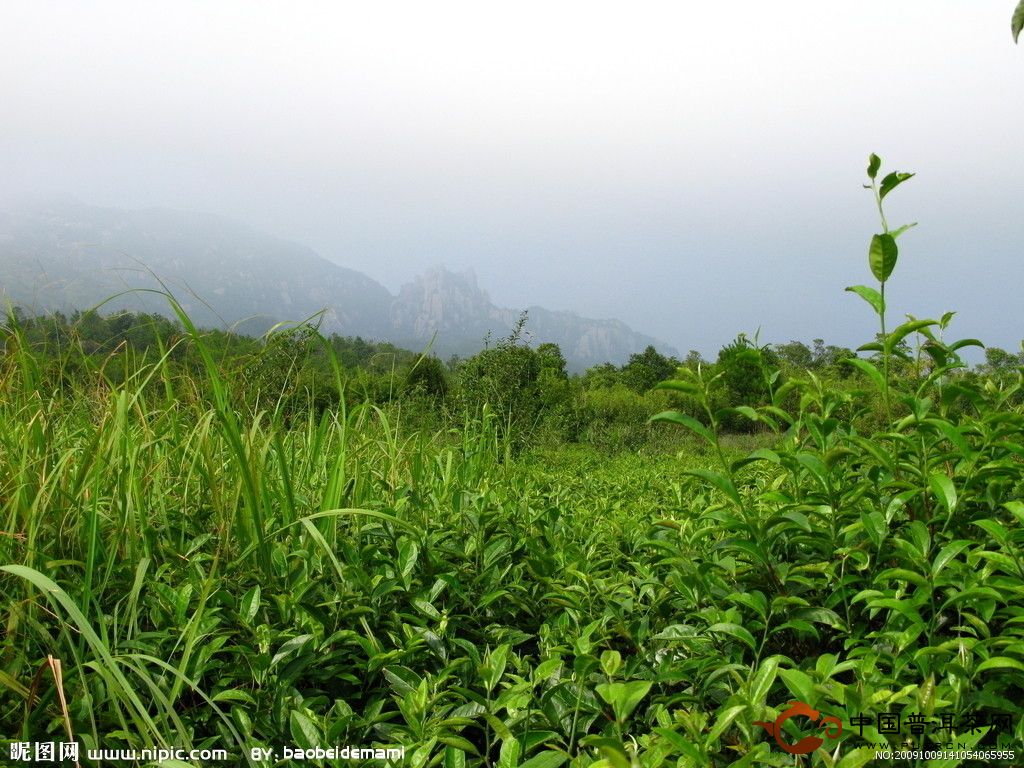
x=999, y=363
x=428, y=377
x=504, y=379
x=749, y=373
x=694, y=360
x=645, y=369
x=796, y=355
x=601, y=376
x=552, y=361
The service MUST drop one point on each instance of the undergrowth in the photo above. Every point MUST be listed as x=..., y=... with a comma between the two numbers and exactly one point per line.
x=214, y=576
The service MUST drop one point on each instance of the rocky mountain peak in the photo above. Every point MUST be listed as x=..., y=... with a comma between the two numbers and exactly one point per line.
x=73, y=256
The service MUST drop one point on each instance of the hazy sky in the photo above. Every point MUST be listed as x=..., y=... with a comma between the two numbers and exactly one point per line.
x=694, y=169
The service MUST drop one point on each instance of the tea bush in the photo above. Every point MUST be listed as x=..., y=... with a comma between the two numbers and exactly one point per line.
x=317, y=575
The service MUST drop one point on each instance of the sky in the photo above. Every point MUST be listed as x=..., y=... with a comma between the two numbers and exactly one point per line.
x=693, y=169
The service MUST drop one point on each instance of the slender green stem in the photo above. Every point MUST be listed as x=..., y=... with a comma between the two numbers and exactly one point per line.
x=885, y=359
x=885, y=349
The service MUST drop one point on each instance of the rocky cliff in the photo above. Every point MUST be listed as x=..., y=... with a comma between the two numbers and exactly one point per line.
x=462, y=314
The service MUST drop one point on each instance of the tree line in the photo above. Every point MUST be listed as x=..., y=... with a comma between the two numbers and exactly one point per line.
x=526, y=389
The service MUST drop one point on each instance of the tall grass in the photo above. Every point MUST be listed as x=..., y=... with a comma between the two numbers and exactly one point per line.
x=135, y=520
x=212, y=572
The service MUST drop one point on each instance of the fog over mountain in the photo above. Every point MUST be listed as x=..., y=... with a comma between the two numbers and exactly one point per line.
x=67, y=255
x=694, y=169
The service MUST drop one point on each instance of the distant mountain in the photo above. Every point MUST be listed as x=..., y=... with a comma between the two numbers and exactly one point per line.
x=72, y=256
x=66, y=256
x=462, y=314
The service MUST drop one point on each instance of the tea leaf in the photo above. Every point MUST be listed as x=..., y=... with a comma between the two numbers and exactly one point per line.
x=735, y=630
x=882, y=256
x=721, y=482
x=873, y=373
x=250, y=604
x=689, y=422
x=944, y=490
x=549, y=759
x=799, y=684
x=303, y=731
x=999, y=662
x=874, y=163
x=891, y=181
x=871, y=296
x=624, y=697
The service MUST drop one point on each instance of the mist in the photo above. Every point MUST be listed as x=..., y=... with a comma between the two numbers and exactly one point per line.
x=693, y=172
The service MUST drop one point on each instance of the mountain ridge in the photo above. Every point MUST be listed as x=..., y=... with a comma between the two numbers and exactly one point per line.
x=69, y=255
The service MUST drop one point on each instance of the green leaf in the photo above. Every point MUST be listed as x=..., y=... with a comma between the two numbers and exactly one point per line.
x=681, y=744
x=304, y=732
x=965, y=343
x=999, y=662
x=494, y=666
x=874, y=163
x=499, y=727
x=723, y=721
x=890, y=182
x=882, y=256
x=408, y=552
x=756, y=554
x=624, y=697
x=972, y=595
x=799, y=684
x=994, y=529
x=755, y=601
x=764, y=454
x=686, y=387
x=815, y=466
x=943, y=489
x=1017, y=22
x=721, y=482
x=763, y=681
x=290, y=646
x=954, y=435
x=549, y=759
x=689, y=422
x=873, y=373
x=735, y=630
x=250, y=604
x=820, y=615
x=921, y=537
x=799, y=518
x=426, y=608
x=233, y=694
x=900, y=230
x=611, y=662
x=1016, y=508
x=546, y=669
x=460, y=743
x=612, y=750
x=902, y=574
x=454, y=758
x=902, y=331
x=871, y=296
x=948, y=552
x=508, y=757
